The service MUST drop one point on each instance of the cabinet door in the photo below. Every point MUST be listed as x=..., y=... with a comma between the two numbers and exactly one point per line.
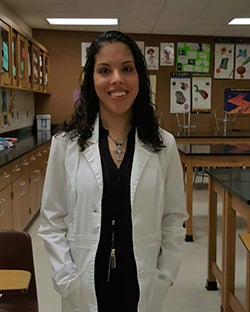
x=46, y=72
x=23, y=61
x=5, y=55
x=5, y=176
x=36, y=184
x=37, y=65
x=21, y=208
x=14, y=57
x=5, y=209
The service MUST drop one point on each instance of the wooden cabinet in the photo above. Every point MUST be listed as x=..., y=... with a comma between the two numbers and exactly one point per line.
x=37, y=65
x=20, y=202
x=24, y=61
x=5, y=199
x=36, y=178
x=46, y=72
x=14, y=57
x=5, y=208
x=5, y=56
x=21, y=185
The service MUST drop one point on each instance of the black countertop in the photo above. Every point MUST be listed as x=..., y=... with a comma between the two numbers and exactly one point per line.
x=235, y=180
x=212, y=134
x=214, y=149
x=27, y=141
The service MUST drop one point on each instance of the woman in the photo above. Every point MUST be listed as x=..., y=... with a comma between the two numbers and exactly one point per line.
x=113, y=201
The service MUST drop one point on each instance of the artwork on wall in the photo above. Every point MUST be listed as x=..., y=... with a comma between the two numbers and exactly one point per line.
x=242, y=61
x=152, y=79
x=141, y=46
x=223, y=60
x=167, y=54
x=237, y=101
x=201, y=93
x=193, y=57
x=180, y=93
x=152, y=57
x=84, y=50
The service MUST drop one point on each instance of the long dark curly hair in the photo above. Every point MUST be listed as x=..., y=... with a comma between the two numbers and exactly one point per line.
x=87, y=107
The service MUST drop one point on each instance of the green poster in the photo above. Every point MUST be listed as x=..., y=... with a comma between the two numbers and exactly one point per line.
x=193, y=57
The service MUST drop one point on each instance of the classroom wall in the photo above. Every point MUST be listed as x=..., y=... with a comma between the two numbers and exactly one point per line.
x=65, y=53
x=7, y=15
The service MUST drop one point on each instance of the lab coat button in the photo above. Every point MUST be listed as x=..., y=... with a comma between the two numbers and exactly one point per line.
x=141, y=272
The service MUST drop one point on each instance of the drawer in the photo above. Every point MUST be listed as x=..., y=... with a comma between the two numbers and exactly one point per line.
x=19, y=167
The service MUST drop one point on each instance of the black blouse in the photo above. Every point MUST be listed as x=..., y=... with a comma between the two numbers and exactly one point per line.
x=117, y=288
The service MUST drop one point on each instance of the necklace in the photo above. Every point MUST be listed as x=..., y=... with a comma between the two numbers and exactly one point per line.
x=118, y=151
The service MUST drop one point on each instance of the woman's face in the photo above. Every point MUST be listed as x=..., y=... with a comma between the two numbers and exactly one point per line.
x=115, y=78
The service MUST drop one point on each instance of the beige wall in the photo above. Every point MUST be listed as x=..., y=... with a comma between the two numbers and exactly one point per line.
x=65, y=50
x=6, y=14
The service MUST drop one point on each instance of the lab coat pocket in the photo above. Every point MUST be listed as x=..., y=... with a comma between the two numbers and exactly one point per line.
x=158, y=292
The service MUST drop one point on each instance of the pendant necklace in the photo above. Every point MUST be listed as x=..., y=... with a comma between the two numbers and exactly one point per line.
x=118, y=151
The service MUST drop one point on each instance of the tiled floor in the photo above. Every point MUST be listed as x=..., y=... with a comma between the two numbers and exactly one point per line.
x=189, y=293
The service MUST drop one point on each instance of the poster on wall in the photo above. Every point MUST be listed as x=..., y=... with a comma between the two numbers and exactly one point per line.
x=141, y=46
x=84, y=50
x=180, y=93
x=242, y=61
x=237, y=101
x=201, y=94
x=167, y=54
x=193, y=57
x=223, y=60
x=152, y=57
x=152, y=79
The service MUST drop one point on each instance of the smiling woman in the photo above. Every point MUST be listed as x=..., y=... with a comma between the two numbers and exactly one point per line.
x=116, y=84
x=113, y=202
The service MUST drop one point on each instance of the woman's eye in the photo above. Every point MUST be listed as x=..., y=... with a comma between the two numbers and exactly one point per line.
x=128, y=68
x=103, y=70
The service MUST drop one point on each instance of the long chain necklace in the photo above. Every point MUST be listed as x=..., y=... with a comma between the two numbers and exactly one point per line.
x=118, y=151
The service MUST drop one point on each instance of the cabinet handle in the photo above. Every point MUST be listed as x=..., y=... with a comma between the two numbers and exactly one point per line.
x=32, y=157
x=38, y=175
x=25, y=163
x=6, y=174
x=17, y=168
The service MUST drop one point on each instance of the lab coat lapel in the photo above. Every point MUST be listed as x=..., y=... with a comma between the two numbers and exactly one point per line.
x=141, y=157
x=92, y=154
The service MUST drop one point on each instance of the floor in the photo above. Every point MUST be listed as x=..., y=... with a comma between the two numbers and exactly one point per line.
x=188, y=293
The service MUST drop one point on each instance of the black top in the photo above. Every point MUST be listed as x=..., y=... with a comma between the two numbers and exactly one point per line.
x=118, y=291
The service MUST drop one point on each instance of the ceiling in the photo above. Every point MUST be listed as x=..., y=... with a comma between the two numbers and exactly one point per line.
x=171, y=17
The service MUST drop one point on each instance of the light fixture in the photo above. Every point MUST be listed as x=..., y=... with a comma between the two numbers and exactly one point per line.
x=83, y=21
x=240, y=21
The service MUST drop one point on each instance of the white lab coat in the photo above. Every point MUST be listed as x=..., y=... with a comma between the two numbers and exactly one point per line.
x=71, y=219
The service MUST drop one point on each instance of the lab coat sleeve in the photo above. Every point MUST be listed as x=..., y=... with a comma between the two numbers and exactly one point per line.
x=53, y=228
x=173, y=232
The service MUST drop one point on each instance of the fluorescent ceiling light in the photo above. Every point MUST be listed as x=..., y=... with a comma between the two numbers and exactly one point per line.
x=240, y=21
x=82, y=21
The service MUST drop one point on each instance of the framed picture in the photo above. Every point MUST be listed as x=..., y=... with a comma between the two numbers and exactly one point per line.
x=152, y=57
